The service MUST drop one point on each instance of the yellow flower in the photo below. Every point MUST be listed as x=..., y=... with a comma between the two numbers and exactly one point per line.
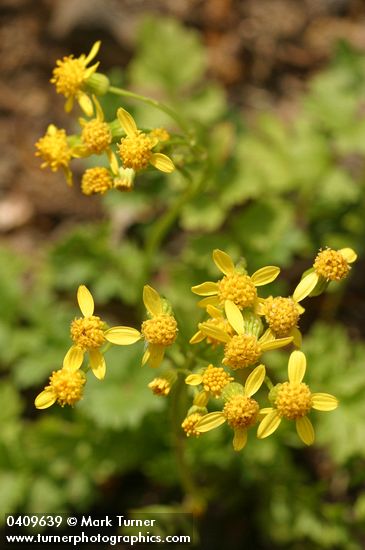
x=236, y=286
x=89, y=333
x=96, y=180
x=329, y=265
x=66, y=386
x=160, y=386
x=55, y=151
x=70, y=77
x=160, y=133
x=189, y=424
x=213, y=380
x=97, y=137
x=159, y=331
x=218, y=320
x=282, y=316
x=242, y=349
x=293, y=400
x=135, y=149
x=240, y=410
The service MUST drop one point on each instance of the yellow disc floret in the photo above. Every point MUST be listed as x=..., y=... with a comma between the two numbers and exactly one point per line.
x=160, y=386
x=161, y=329
x=281, y=314
x=215, y=379
x=135, y=150
x=69, y=75
x=241, y=411
x=238, y=288
x=88, y=332
x=293, y=400
x=241, y=351
x=54, y=149
x=331, y=265
x=67, y=386
x=96, y=135
x=96, y=180
x=189, y=424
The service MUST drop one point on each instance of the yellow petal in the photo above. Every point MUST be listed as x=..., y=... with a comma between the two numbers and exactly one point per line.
x=296, y=367
x=85, y=301
x=69, y=104
x=223, y=261
x=324, y=402
x=254, y=380
x=239, y=439
x=297, y=337
x=194, y=379
x=275, y=344
x=349, y=255
x=201, y=399
x=234, y=317
x=93, y=52
x=162, y=163
x=210, y=421
x=122, y=336
x=45, y=399
x=265, y=275
x=99, y=111
x=214, y=332
x=214, y=312
x=305, y=286
x=152, y=300
x=73, y=358
x=127, y=122
x=269, y=424
x=209, y=300
x=305, y=430
x=260, y=308
x=156, y=355
x=97, y=363
x=205, y=289
x=197, y=338
x=268, y=336
x=86, y=104
x=145, y=357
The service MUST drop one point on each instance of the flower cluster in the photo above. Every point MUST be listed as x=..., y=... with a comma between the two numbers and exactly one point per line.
x=91, y=337
x=241, y=326
x=246, y=325
x=126, y=149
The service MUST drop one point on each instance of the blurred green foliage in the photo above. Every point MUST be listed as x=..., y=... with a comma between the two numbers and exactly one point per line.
x=275, y=193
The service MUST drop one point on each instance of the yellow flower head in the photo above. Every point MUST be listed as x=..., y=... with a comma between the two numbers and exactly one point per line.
x=70, y=77
x=293, y=400
x=160, y=386
x=89, y=333
x=65, y=387
x=160, y=331
x=55, y=151
x=213, y=379
x=189, y=423
x=217, y=320
x=135, y=150
x=235, y=286
x=329, y=265
x=243, y=349
x=96, y=180
x=240, y=411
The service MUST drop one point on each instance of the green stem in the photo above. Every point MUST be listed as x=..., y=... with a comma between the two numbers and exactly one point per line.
x=161, y=227
x=179, y=439
x=170, y=112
